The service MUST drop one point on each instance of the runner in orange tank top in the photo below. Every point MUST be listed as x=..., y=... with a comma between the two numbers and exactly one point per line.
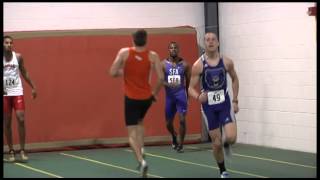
x=137, y=69
x=135, y=65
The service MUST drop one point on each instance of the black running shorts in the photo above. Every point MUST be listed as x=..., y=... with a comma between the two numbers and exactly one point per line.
x=135, y=110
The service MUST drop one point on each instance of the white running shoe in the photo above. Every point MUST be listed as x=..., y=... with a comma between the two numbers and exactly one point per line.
x=224, y=174
x=144, y=169
x=23, y=156
x=11, y=157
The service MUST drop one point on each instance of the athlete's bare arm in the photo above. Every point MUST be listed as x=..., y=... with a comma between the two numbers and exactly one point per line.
x=235, y=81
x=116, y=69
x=154, y=57
x=25, y=75
x=4, y=91
x=163, y=69
x=194, y=81
x=187, y=74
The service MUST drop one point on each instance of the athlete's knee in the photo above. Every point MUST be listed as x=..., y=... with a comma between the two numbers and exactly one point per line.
x=131, y=139
x=182, y=123
x=7, y=124
x=216, y=143
x=20, y=119
x=231, y=139
x=169, y=123
x=7, y=121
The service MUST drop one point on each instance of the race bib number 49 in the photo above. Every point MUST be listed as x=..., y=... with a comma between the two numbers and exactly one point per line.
x=216, y=97
x=174, y=79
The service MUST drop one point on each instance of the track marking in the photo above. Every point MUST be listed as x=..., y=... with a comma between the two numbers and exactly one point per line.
x=35, y=169
x=264, y=159
x=202, y=165
x=107, y=164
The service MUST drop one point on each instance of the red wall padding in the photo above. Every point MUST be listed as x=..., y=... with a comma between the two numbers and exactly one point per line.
x=77, y=99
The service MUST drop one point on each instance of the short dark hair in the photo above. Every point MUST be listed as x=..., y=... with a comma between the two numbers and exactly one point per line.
x=173, y=42
x=7, y=36
x=140, y=37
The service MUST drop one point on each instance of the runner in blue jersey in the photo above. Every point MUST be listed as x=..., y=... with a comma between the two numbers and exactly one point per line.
x=211, y=70
x=177, y=77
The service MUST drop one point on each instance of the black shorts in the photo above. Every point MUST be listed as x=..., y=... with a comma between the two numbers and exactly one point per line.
x=135, y=110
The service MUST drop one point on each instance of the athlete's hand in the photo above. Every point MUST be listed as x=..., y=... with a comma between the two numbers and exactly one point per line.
x=4, y=91
x=203, y=97
x=153, y=98
x=173, y=85
x=235, y=107
x=34, y=93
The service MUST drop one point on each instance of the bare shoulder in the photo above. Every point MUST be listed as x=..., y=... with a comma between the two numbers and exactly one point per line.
x=18, y=55
x=123, y=53
x=185, y=63
x=163, y=62
x=19, y=58
x=227, y=62
x=154, y=56
x=153, y=53
x=197, y=66
x=197, y=63
x=124, y=50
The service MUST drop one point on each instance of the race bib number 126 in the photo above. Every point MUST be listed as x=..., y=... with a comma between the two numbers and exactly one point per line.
x=10, y=82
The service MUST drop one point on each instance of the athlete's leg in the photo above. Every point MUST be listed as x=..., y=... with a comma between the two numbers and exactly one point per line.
x=140, y=136
x=135, y=143
x=170, y=111
x=19, y=107
x=22, y=134
x=217, y=148
x=132, y=116
x=21, y=128
x=144, y=106
x=227, y=117
x=216, y=143
x=182, y=105
x=230, y=130
x=7, y=117
x=182, y=131
x=212, y=122
x=133, y=131
x=170, y=128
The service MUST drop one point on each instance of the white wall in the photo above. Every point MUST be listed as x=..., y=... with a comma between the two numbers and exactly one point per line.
x=65, y=16
x=273, y=46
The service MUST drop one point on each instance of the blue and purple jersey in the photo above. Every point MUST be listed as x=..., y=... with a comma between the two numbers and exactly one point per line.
x=174, y=74
x=214, y=81
x=176, y=98
x=217, y=110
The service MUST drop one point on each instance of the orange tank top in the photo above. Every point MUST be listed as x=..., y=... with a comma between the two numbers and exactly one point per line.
x=136, y=75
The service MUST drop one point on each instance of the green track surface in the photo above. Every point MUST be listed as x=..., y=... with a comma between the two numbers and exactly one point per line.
x=247, y=161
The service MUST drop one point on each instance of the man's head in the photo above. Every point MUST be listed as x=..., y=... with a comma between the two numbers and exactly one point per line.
x=140, y=37
x=173, y=49
x=7, y=43
x=211, y=42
